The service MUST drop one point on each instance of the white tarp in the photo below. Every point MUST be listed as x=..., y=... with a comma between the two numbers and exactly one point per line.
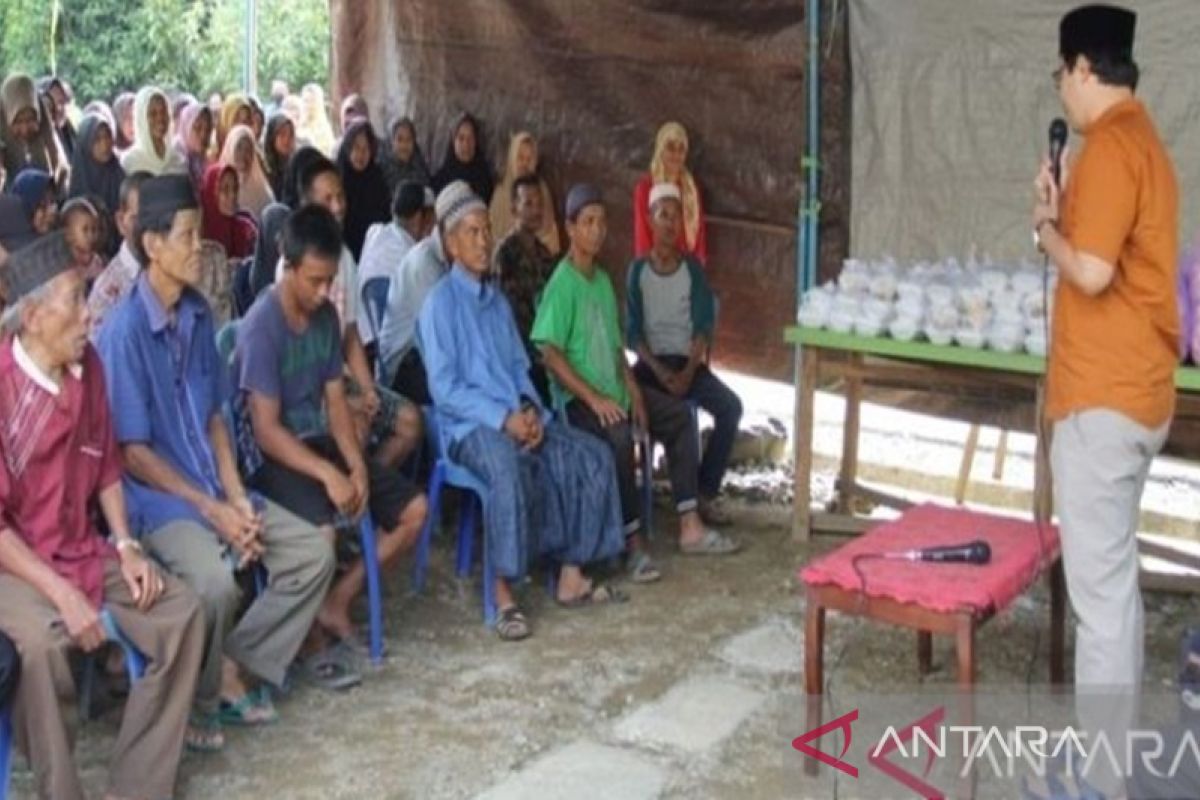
x=952, y=102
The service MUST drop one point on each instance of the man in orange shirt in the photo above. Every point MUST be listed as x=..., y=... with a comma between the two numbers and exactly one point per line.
x=1113, y=354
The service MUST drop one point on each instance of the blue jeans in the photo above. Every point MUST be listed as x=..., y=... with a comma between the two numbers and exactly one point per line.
x=712, y=395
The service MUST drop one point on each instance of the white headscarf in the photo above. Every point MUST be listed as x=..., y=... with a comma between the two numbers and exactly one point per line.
x=142, y=157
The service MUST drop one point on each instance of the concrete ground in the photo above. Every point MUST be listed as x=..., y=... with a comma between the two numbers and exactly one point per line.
x=691, y=690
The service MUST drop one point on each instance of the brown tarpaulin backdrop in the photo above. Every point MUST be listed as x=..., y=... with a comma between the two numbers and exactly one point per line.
x=594, y=79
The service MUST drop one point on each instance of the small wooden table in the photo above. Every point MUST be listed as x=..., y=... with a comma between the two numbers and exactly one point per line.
x=949, y=599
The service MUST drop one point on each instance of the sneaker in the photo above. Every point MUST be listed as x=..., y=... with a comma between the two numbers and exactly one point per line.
x=714, y=511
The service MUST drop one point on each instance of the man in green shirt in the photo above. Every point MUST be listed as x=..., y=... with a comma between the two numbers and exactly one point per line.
x=578, y=330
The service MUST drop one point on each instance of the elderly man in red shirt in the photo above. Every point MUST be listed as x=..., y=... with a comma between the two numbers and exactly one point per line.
x=58, y=457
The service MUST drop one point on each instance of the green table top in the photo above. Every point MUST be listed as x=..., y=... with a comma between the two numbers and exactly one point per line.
x=1186, y=378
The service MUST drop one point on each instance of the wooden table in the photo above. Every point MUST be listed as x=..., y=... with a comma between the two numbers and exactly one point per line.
x=826, y=356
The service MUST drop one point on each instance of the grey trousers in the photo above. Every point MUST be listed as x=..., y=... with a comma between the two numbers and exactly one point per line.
x=145, y=757
x=1100, y=460
x=300, y=564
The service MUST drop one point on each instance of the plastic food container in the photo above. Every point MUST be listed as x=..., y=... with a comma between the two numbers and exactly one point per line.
x=841, y=321
x=939, y=336
x=994, y=281
x=904, y=329
x=813, y=316
x=868, y=326
x=1035, y=345
x=969, y=337
x=1005, y=338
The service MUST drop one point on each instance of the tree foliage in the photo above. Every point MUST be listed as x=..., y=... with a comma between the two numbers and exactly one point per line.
x=103, y=47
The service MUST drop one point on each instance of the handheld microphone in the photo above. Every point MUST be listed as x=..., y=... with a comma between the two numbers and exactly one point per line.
x=977, y=552
x=1058, y=141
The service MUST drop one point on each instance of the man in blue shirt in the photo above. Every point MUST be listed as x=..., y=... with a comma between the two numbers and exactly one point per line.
x=551, y=490
x=185, y=496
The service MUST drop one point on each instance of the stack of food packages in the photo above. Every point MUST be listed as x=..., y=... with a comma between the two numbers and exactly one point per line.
x=1002, y=307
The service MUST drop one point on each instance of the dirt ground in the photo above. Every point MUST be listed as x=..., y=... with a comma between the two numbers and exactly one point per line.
x=691, y=690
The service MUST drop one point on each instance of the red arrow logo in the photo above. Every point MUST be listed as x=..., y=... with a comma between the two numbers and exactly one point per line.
x=878, y=759
x=843, y=722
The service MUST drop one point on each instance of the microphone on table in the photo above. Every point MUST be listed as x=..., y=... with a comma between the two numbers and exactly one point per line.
x=977, y=552
x=1058, y=142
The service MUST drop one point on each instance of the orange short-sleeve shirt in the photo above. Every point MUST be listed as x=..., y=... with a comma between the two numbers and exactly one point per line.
x=1119, y=349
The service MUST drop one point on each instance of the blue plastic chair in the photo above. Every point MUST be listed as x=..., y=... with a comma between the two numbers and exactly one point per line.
x=374, y=300
x=447, y=473
x=135, y=664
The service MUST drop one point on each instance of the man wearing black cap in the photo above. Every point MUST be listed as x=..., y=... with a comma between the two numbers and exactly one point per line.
x=1110, y=378
x=196, y=517
x=58, y=459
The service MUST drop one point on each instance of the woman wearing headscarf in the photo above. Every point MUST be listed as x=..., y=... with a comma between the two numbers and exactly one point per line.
x=122, y=110
x=465, y=159
x=314, y=126
x=258, y=117
x=221, y=222
x=56, y=97
x=301, y=160
x=279, y=142
x=522, y=161
x=152, y=149
x=15, y=230
x=402, y=160
x=178, y=104
x=27, y=138
x=36, y=190
x=192, y=139
x=367, y=200
x=235, y=110
x=95, y=170
x=266, y=249
x=241, y=153
x=669, y=165
x=104, y=110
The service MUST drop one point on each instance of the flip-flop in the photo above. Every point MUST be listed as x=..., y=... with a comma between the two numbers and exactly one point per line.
x=252, y=708
x=204, y=734
x=358, y=647
x=599, y=595
x=642, y=569
x=511, y=625
x=329, y=670
x=712, y=544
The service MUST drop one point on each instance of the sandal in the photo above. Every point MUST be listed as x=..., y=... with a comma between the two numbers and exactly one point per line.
x=599, y=595
x=512, y=625
x=204, y=734
x=359, y=646
x=329, y=670
x=252, y=708
x=711, y=544
x=642, y=569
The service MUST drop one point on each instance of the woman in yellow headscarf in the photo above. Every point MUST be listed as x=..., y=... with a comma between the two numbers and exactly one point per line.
x=669, y=165
x=235, y=110
x=522, y=161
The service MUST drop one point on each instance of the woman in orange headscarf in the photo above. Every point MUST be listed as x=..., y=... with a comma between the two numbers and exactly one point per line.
x=669, y=165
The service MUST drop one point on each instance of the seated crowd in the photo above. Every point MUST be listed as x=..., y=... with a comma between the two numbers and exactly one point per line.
x=228, y=336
